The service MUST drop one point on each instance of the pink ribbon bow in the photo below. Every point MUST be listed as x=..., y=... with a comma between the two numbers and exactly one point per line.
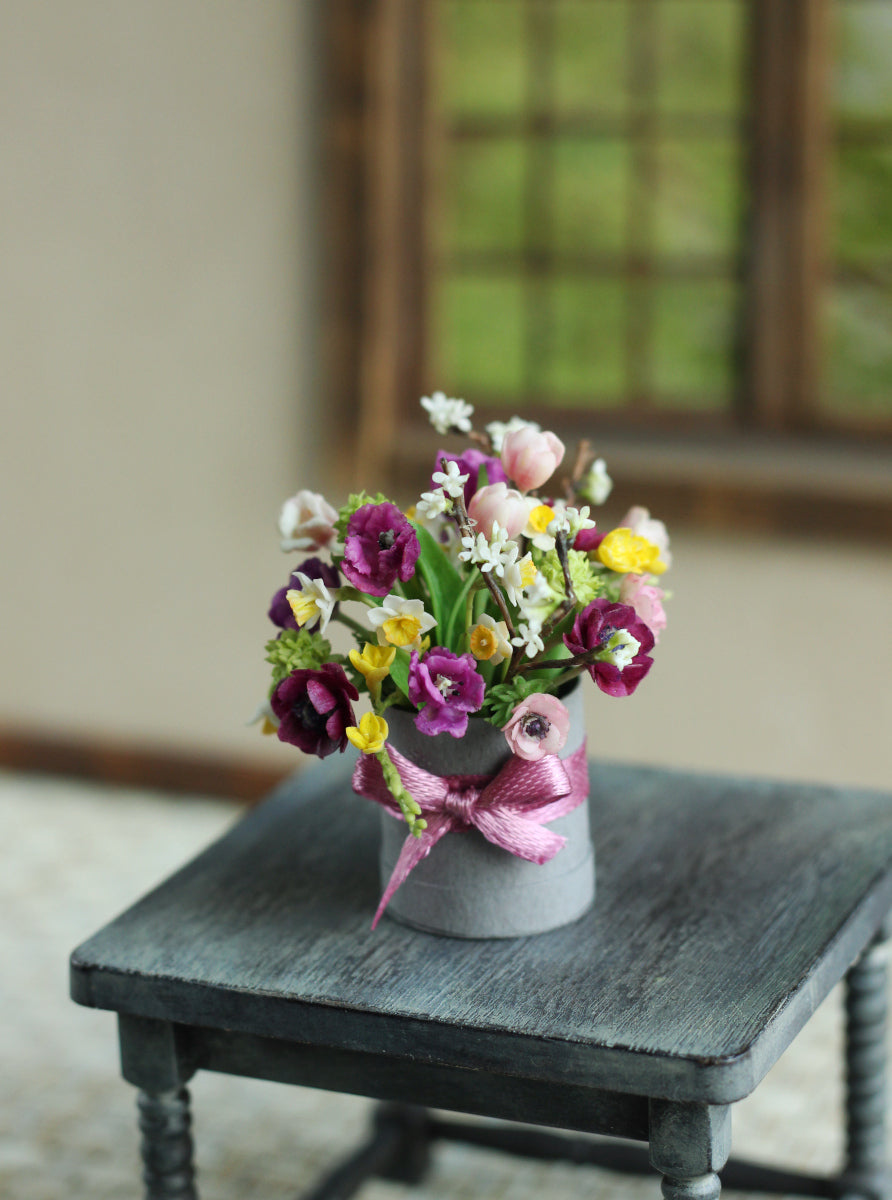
x=509, y=808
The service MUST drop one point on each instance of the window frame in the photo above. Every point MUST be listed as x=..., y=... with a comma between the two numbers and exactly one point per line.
x=378, y=171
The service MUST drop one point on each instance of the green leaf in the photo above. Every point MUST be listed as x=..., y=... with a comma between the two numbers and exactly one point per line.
x=443, y=581
x=454, y=630
x=399, y=671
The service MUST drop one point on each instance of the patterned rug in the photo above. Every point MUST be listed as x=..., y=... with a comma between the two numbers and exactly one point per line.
x=73, y=856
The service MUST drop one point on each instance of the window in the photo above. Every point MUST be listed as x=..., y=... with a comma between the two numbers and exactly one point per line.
x=586, y=241
x=642, y=215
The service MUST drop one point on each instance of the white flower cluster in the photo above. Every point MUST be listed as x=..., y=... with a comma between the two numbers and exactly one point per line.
x=487, y=554
x=447, y=414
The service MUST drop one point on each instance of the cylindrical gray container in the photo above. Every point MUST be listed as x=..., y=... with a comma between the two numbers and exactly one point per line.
x=467, y=887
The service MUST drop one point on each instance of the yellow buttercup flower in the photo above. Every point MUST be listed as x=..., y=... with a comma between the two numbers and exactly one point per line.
x=374, y=663
x=630, y=553
x=370, y=735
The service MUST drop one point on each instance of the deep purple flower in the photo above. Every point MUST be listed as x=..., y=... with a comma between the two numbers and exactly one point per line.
x=314, y=709
x=314, y=568
x=448, y=686
x=381, y=547
x=594, y=627
x=469, y=464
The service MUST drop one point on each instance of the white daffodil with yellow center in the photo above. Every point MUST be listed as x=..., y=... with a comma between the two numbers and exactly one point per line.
x=311, y=602
x=400, y=622
x=489, y=640
x=516, y=573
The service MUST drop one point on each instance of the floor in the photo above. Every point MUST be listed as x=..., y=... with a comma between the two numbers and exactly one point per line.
x=72, y=856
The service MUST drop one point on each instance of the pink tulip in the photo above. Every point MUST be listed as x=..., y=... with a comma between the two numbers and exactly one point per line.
x=539, y=726
x=498, y=502
x=647, y=601
x=530, y=457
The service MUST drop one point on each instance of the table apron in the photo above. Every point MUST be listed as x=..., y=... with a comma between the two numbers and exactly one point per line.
x=431, y=1085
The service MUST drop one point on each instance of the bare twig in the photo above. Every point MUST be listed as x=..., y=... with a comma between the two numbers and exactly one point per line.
x=584, y=458
x=460, y=515
x=560, y=545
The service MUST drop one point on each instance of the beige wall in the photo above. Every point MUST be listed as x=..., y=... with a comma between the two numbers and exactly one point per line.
x=158, y=404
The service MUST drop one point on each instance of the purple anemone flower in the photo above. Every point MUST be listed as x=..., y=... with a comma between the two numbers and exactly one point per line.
x=314, y=709
x=448, y=686
x=380, y=547
x=314, y=568
x=469, y=464
x=594, y=628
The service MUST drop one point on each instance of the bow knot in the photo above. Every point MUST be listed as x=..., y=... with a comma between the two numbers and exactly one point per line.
x=460, y=802
x=509, y=809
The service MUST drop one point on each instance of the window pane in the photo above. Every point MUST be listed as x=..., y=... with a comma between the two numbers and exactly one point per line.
x=698, y=197
x=480, y=334
x=483, y=69
x=587, y=344
x=590, y=69
x=863, y=80
x=591, y=181
x=692, y=360
x=484, y=195
x=864, y=202
x=699, y=55
x=860, y=350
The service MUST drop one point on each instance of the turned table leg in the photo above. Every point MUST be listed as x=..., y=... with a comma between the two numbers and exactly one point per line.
x=866, y=1008
x=689, y=1144
x=166, y=1146
x=155, y=1058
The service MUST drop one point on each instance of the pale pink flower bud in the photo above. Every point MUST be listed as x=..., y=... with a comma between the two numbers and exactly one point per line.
x=647, y=601
x=306, y=522
x=538, y=726
x=530, y=457
x=639, y=520
x=498, y=502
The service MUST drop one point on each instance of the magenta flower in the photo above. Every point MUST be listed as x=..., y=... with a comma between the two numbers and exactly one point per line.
x=448, y=686
x=381, y=547
x=622, y=641
x=314, y=709
x=280, y=612
x=539, y=726
x=588, y=539
x=469, y=464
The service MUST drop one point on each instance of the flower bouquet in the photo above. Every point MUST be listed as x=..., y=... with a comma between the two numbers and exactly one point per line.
x=475, y=613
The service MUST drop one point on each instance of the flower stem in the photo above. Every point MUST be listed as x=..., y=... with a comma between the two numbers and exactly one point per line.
x=409, y=807
x=354, y=625
x=460, y=514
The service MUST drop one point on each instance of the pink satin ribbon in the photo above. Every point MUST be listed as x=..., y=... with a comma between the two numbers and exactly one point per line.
x=509, y=808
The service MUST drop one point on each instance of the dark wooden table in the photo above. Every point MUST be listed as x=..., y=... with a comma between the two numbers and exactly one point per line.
x=726, y=911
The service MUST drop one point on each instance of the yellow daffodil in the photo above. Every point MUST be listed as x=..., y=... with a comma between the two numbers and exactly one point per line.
x=374, y=665
x=630, y=553
x=370, y=735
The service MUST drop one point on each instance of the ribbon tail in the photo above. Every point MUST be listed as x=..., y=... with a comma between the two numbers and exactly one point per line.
x=414, y=850
x=518, y=835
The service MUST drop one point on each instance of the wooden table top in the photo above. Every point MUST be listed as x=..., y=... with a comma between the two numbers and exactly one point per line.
x=726, y=910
